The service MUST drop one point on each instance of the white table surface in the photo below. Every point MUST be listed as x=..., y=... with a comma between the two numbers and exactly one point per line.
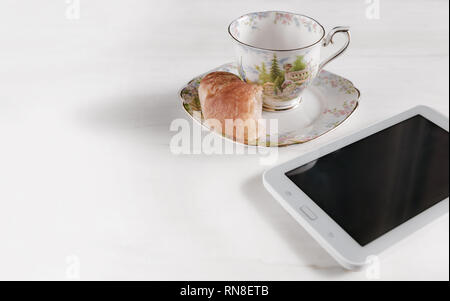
x=88, y=186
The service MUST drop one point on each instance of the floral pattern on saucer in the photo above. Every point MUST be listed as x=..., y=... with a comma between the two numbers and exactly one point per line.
x=337, y=107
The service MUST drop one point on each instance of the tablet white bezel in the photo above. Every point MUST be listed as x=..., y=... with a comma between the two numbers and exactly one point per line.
x=324, y=229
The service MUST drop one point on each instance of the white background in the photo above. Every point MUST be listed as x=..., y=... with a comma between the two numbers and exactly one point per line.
x=88, y=186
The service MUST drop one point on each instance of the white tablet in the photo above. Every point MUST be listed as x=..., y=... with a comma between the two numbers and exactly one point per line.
x=361, y=194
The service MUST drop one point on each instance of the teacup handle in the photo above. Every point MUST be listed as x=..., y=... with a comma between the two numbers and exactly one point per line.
x=329, y=39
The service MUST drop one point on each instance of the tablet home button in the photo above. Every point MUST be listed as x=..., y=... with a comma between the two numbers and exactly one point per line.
x=308, y=213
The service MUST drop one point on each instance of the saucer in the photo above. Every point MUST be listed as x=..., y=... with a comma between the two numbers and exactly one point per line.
x=328, y=102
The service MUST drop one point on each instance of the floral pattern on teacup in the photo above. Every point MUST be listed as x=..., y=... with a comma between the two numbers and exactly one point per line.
x=251, y=21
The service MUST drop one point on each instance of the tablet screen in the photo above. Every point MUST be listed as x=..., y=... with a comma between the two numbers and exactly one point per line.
x=377, y=183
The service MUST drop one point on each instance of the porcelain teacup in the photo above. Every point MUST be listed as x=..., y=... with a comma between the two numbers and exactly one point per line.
x=281, y=52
